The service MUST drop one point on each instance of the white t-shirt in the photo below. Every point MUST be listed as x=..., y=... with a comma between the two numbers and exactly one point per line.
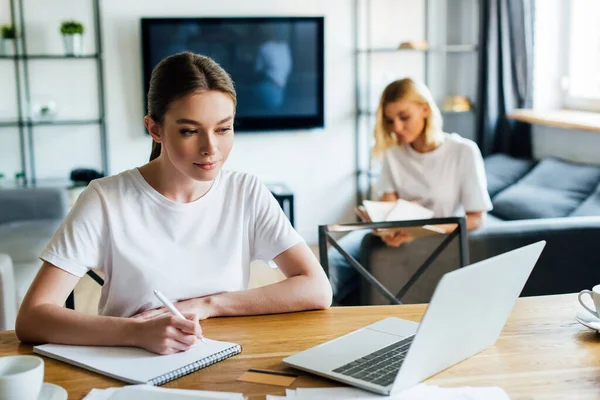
x=143, y=241
x=449, y=180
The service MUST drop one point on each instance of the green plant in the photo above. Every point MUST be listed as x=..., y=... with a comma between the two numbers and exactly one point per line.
x=8, y=32
x=71, y=28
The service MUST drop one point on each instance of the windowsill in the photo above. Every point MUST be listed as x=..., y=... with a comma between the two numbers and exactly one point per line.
x=568, y=119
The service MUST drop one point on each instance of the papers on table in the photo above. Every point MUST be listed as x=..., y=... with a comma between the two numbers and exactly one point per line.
x=148, y=392
x=418, y=392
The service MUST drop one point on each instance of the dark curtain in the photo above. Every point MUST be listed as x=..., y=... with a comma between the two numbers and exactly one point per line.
x=505, y=75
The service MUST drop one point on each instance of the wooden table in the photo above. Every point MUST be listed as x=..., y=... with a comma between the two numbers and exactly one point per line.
x=543, y=353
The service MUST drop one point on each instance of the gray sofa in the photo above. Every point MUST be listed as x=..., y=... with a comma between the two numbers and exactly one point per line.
x=552, y=200
x=28, y=218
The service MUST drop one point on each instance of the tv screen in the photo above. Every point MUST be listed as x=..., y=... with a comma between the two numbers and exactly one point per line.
x=276, y=63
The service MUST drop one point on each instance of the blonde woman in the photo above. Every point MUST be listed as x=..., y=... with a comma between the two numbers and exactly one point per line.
x=421, y=163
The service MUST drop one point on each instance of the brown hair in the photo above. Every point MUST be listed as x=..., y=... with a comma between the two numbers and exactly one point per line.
x=409, y=90
x=180, y=75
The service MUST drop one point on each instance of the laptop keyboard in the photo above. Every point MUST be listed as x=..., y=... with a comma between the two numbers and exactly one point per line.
x=380, y=367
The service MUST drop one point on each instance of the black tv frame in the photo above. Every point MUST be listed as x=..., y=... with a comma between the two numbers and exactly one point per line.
x=249, y=124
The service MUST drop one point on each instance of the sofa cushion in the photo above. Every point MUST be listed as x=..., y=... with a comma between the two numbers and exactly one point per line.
x=554, y=188
x=24, y=240
x=33, y=204
x=590, y=207
x=503, y=171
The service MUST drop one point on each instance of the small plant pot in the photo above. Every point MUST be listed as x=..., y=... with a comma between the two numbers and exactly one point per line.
x=7, y=47
x=73, y=44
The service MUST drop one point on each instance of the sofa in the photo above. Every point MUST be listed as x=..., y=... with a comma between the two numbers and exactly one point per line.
x=28, y=219
x=551, y=199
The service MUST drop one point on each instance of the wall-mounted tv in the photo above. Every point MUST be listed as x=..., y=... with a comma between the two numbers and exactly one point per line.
x=276, y=63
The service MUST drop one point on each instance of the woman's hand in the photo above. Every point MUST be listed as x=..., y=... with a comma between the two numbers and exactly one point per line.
x=194, y=307
x=362, y=214
x=395, y=239
x=168, y=334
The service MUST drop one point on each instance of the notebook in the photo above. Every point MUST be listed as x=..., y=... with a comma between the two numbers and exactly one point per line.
x=135, y=365
x=401, y=210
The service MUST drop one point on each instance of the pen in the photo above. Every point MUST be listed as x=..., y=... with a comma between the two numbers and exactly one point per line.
x=171, y=307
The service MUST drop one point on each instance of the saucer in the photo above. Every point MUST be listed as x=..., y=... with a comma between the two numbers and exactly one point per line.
x=51, y=391
x=587, y=319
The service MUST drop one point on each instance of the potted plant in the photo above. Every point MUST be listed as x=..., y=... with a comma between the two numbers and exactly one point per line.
x=72, y=33
x=8, y=33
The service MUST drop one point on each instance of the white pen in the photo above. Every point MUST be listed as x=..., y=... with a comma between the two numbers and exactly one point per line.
x=171, y=307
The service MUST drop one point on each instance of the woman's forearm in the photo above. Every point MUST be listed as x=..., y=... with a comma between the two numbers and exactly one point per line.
x=51, y=323
x=295, y=293
x=474, y=221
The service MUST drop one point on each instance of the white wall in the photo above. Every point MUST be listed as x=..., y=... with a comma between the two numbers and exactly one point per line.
x=569, y=144
x=318, y=165
x=550, y=63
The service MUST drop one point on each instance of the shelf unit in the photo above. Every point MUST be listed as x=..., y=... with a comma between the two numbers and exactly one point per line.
x=448, y=66
x=24, y=121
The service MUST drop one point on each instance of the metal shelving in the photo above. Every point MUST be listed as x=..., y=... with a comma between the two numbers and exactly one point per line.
x=26, y=125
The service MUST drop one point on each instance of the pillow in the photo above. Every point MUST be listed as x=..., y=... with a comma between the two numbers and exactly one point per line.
x=502, y=171
x=590, y=207
x=554, y=188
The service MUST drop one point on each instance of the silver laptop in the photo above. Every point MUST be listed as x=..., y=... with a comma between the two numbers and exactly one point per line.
x=465, y=316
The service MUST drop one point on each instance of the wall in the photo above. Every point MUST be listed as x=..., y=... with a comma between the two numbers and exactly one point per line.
x=318, y=165
x=569, y=144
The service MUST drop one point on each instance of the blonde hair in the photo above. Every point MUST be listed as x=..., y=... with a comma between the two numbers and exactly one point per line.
x=406, y=89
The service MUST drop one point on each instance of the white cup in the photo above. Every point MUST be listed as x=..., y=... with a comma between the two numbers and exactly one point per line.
x=21, y=377
x=595, y=295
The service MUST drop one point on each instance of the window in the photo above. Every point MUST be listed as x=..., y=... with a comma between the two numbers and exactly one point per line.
x=582, y=86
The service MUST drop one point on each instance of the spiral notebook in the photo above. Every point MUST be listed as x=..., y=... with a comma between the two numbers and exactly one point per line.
x=135, y=365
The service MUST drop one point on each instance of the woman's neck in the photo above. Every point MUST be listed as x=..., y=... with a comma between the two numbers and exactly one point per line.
x=420, y=145
x=172, y=184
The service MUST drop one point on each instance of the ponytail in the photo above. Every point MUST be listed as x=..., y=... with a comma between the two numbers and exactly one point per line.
x=155, y=151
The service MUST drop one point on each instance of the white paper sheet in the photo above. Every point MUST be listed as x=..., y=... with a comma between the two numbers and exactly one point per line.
x=148, y=392
x=418, y=392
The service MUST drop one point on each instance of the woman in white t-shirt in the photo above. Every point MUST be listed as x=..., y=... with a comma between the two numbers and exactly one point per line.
x=421, y=163
x=179, y=224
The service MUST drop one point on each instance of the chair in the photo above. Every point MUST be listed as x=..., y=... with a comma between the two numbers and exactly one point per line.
x=460, y=232
x=70, y=303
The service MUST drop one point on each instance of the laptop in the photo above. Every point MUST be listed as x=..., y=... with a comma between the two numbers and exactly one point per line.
x=466, y=314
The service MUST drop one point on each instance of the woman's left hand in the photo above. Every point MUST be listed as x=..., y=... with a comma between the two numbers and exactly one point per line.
x=192, y=306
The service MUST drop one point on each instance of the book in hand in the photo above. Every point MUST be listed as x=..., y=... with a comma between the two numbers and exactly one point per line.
x=400, y=210
x=135, y=365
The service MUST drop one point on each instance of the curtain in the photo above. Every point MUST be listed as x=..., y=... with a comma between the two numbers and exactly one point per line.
x=505, y=75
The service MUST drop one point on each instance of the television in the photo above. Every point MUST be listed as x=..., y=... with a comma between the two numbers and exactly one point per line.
x=276, y=64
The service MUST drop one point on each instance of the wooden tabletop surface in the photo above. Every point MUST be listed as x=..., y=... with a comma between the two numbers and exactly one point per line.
x=542, y=353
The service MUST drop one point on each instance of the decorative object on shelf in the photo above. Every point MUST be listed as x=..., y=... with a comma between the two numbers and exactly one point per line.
x=1, y=179
x=20, y=179
x=83, y=176
x=72, y=33
x=8, y=40
x=456, y=104
x=415, y=45
x=44, y=110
